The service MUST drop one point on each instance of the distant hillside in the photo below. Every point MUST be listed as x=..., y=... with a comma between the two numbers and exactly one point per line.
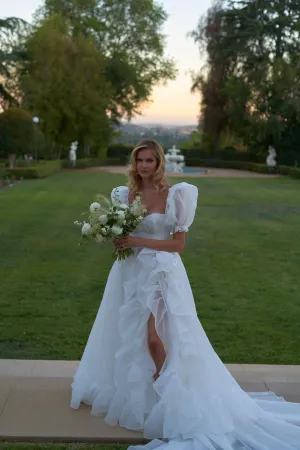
x=167, y=135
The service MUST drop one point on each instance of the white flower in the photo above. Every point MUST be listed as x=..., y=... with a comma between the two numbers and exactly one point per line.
x=98, y=238
x=144, y=211
x=95, y=208
x=136, y=209
x=103, y=219
x=86, y=229
x=123, y=206
x=121, y=215
x=116, y=230
x=115, y=199
x=95, y=228
x=104, y=231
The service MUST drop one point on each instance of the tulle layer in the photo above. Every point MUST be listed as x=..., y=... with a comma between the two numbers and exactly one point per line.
x=195, y=403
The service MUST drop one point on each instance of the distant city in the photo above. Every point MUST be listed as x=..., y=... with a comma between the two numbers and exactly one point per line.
x=167, y=135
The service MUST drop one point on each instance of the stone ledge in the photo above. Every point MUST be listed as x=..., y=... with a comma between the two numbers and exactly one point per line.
x=35, y=398
x=66, y=369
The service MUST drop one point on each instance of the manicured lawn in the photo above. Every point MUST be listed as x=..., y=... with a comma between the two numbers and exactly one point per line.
x=242, y=257
x=20, y=446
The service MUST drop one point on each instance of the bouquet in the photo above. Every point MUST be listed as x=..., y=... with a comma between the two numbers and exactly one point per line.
x=112, y=221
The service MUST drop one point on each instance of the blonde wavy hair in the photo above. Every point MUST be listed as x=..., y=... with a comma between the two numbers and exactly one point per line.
x=159, y=178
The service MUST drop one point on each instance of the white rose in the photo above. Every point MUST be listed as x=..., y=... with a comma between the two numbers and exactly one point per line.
x=116, y=230
x=98, y=238
x=86, y=229
x=123, y=206
x=103, y=219
x=95, y=208
x=121, y=215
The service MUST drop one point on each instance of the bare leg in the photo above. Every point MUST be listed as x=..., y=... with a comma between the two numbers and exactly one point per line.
x=156, y=347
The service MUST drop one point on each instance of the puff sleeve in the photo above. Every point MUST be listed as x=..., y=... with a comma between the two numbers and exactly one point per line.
x=181, y=207
x=122, y=192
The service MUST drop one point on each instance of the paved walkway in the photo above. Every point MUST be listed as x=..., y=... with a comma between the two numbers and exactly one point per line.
x=35, y=396
x=207, y=173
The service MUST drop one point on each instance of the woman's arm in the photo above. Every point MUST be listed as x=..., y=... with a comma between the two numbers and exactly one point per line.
x=169, y=245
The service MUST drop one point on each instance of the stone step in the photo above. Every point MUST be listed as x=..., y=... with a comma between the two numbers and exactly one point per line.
x=35, y=398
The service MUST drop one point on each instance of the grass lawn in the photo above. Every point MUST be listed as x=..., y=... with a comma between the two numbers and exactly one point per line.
x=50, y=446
x=242, y=257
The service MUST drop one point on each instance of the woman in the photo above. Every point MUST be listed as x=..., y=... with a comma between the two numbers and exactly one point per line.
x=148, y=364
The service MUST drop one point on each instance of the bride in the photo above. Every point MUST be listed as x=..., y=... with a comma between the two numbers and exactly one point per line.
x=148, y=364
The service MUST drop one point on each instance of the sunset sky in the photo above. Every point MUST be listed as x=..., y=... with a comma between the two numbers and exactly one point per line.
x=171, y=104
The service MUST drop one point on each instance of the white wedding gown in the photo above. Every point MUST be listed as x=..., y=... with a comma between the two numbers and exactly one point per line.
x=195, y=404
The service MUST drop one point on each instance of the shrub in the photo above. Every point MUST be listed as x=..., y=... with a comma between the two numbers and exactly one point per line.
x=42, y=170
x=92, y=162
x=217, y=163
x=227, y=154
x=119, y=151
x=17, y=132
x=114, y=162
x=83, y=163
x=294, y=172
x=244, y=165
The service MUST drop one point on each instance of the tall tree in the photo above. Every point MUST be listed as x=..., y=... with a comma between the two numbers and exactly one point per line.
x=129, y=34
x=65, y=86
x=13, y=32
x=267, y=34
x=17, y=133
x=211, y=80
x=257, y=43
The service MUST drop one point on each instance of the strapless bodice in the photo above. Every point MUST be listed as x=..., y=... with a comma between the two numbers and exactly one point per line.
x=154, y=226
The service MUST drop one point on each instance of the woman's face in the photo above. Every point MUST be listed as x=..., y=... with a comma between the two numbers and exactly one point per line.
x=146, y=163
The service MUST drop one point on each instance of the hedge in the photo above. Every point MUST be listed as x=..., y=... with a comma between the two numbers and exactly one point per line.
x=82, y=163
x=243, y=165
x=227, y=154
x=294, y=172
x=119, y=151
x=194, y=162
x=41, y=170
x=47, y=168
x=217, y=163
x=92, y=162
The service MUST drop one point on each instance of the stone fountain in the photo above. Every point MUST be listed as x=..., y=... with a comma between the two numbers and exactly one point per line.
x=174, y=160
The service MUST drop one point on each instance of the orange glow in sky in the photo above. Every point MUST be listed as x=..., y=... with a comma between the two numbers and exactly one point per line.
x=172, y=103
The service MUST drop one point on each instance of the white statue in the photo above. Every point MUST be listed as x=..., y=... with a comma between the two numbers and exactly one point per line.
x=72, y=153
x=174, y=162
x=271, y=158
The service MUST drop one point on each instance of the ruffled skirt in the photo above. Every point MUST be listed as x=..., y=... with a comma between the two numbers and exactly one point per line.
x=195, y=403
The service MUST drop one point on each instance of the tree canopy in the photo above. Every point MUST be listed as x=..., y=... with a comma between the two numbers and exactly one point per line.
x=252, y=81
